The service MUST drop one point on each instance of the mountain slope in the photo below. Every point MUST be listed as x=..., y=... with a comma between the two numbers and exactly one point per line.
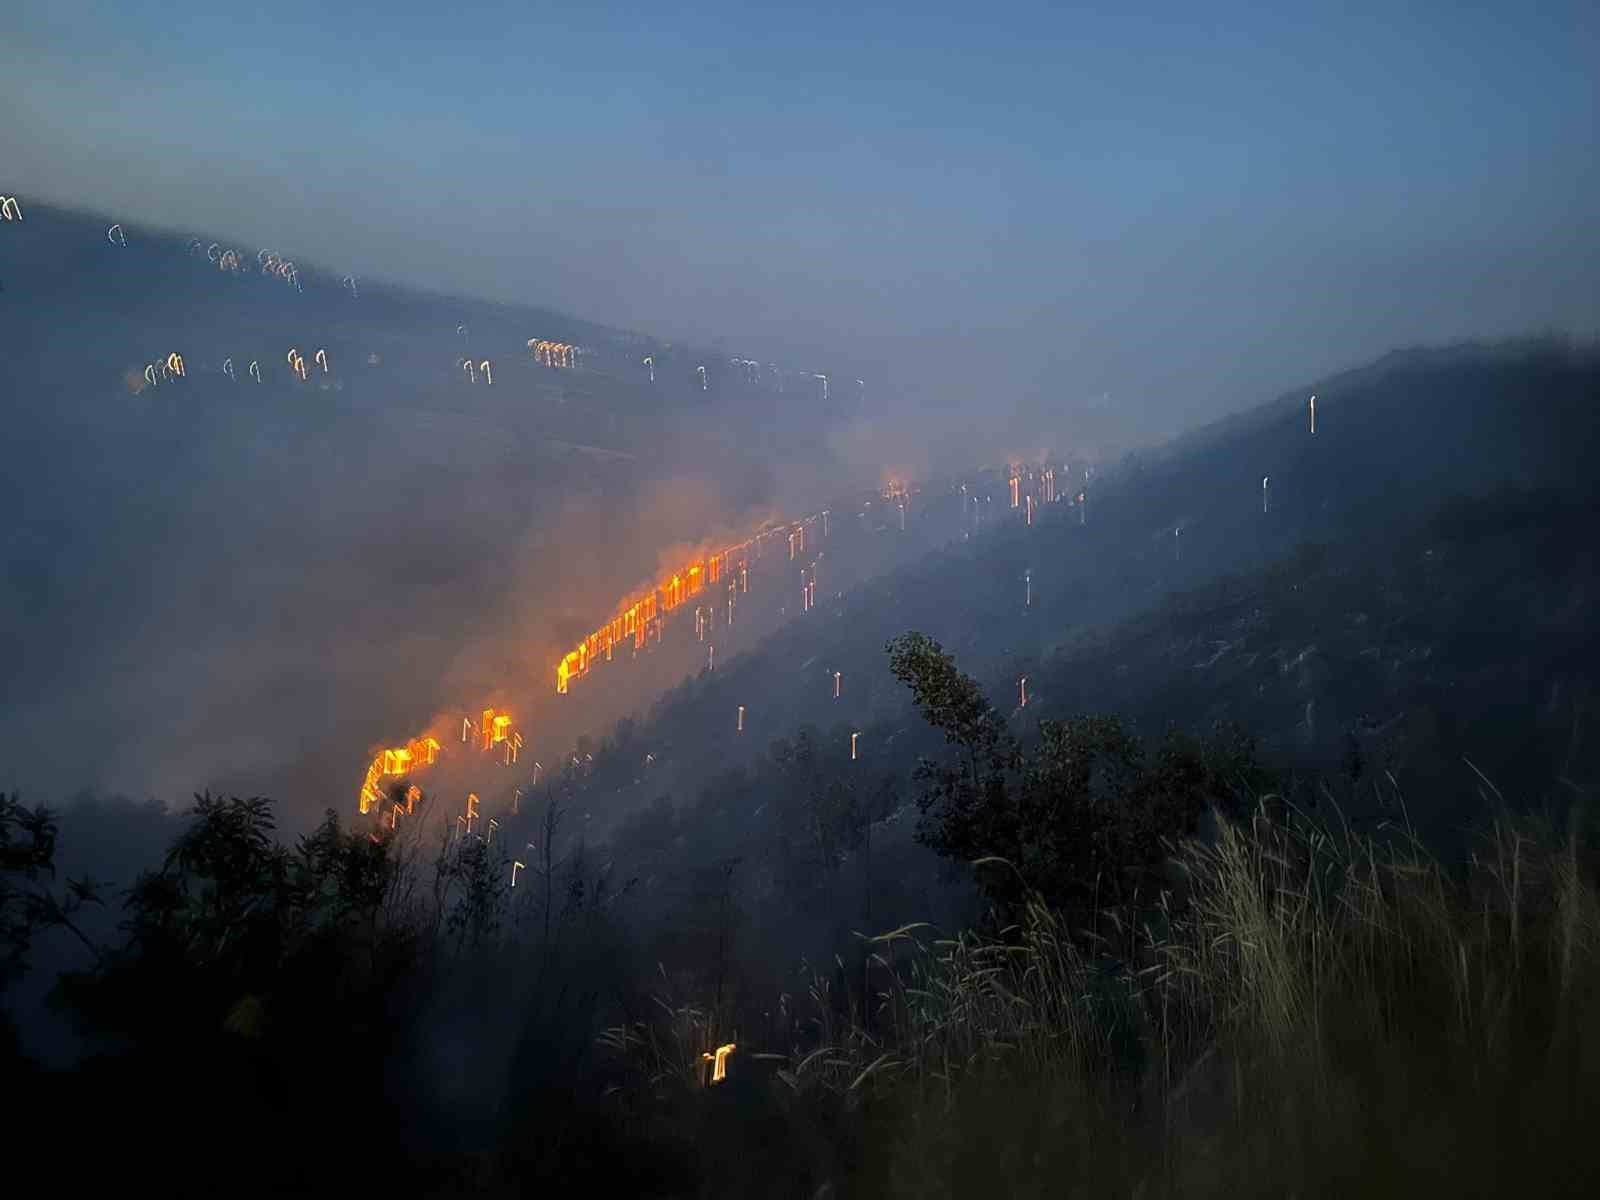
x=1402, y=612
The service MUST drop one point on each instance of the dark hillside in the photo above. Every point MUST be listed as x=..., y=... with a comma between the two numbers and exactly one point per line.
x=1364, y=593
x=685, y=886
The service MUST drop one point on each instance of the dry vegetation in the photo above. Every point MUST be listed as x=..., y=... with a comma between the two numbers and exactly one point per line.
x=1309, y=1010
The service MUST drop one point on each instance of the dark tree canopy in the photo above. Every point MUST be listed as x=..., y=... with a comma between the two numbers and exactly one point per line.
x=1086, y=816
x=28, y=903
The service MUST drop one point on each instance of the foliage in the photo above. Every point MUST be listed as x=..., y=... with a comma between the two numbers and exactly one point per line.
x=233, y=925
x=28, y=906
x=1332, y=1012
x=1084, y=817
x=478, y=915
x=953, y=703
x=824, y=811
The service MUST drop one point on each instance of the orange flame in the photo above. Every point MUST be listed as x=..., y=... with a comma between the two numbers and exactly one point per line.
x=421, y=752
x=719, y=1061
x=400, y=760
x=640, y=615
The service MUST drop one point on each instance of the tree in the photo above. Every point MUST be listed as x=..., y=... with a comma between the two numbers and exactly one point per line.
x=219, y=897
x=952, y=702
x=822, y=810
x=246, y=971
x=234, y=929
x=1086, y=818
x=479, y=913
x=341, y=874
x=28, y=906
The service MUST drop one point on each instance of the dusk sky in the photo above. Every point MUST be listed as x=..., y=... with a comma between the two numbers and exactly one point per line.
x=1177, y=209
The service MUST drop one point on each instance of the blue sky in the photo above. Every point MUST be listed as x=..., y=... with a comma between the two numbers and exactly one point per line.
x=1185, y=206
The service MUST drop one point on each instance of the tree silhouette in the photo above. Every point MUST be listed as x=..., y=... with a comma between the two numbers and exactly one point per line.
x=1083, y=820
x=28, y=904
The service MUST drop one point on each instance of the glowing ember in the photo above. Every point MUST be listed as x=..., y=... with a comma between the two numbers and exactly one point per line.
x=401, y=760
x=422, y=752
x=719, y=1061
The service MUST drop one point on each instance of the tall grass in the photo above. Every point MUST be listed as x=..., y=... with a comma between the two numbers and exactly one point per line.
x=1308, y=1010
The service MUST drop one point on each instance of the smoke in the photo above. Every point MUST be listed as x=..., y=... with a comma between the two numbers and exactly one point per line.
x=252, y=587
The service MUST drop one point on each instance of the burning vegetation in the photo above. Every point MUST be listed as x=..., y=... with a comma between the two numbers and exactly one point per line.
x=492, y=728
x=639, y=617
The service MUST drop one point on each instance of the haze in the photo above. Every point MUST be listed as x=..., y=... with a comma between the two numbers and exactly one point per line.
x=1121, y=222
x=896, y=601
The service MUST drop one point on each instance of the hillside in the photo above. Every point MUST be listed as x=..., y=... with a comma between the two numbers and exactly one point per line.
x=691, y=892
x=1372, y=590
x=405, y=535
